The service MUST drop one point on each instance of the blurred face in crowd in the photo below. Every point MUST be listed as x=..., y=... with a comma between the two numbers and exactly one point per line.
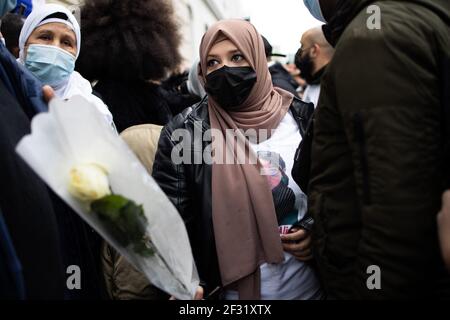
x=307, y=47
x=306, y=56
x=225, y=53
x=54, y=34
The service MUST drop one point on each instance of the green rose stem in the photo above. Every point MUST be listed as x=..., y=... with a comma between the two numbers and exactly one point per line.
x=127, y=223
x=171, y=271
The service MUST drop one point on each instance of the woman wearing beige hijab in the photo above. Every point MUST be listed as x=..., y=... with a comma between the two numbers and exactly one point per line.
x=244, y=213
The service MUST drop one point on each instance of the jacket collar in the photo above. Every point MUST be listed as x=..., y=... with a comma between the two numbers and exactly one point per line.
x=301, y=111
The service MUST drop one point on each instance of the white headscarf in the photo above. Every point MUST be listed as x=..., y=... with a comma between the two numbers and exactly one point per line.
x=36, y=19
x=75, y=84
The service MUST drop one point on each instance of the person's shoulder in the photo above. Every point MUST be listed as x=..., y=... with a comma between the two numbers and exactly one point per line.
x=302, y=112
x=186, y=119
x=393, y=22
x=299, y=105
x=279, y=71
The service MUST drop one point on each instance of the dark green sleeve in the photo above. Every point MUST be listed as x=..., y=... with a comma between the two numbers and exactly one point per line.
x=388, y=100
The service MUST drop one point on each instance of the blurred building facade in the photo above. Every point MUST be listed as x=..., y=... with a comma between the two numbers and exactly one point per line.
x=195, y=16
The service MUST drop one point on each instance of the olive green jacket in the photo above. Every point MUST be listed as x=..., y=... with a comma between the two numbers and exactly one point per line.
x=377, y=165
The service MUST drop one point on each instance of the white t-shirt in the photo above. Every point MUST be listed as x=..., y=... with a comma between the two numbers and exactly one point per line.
x=312, y=94
x=292, y=279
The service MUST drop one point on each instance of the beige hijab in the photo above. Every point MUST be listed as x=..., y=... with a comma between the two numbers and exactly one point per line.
x=244, y=218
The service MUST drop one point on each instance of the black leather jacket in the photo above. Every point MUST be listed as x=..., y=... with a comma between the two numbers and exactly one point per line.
x=189, y=186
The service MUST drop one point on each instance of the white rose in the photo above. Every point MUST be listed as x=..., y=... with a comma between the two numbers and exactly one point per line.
x=89, y=182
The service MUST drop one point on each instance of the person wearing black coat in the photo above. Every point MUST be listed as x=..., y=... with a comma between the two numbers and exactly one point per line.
x=46, y=235
x=190, y=181
x=28, y=214
x=128, y=48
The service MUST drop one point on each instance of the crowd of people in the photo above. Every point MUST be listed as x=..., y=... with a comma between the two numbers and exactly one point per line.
x=337, y=165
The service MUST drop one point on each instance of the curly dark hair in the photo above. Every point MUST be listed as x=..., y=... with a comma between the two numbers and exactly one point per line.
x=128, y=39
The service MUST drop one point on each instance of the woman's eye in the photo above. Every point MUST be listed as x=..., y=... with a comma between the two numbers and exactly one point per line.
x=67, y=43
x=237, y=58
x=45, y=37
x=212, y=63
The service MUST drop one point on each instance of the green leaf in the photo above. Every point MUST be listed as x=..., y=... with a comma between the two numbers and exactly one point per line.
x=134, y=221
x=110, y=206
x=126, y=221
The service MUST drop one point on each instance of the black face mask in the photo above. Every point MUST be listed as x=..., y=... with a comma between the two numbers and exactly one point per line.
x=305, y=65
x=230, y=87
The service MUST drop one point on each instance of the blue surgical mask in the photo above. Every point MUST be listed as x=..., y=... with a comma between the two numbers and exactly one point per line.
x=50, y=64
x=314, y=8
x=6, y=6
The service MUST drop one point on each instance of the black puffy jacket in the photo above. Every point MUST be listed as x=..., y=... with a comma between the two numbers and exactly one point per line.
x=189, y=186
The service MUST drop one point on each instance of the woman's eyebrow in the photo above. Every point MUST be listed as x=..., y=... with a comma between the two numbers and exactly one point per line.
x=42, y=31
x=70, y=37
x=233, y=51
